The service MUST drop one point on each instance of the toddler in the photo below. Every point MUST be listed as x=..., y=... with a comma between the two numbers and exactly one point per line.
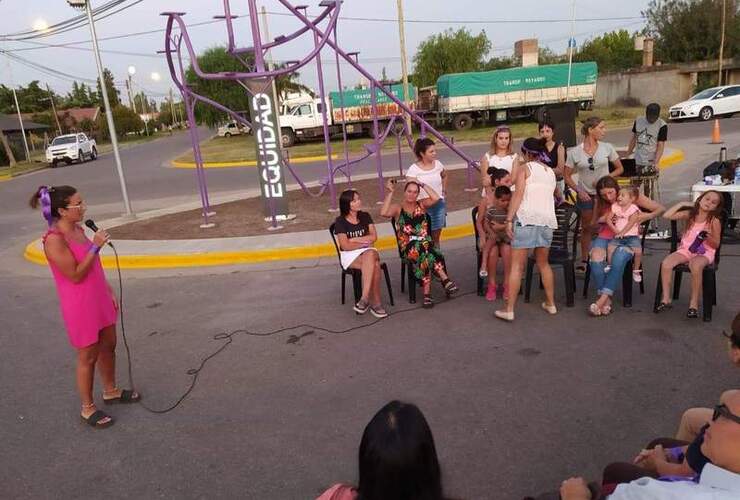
x=623, y=220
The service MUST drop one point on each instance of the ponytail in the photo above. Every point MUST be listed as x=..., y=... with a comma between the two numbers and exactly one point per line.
x=51, y=199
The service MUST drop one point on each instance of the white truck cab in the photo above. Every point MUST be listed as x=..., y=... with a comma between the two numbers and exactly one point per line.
x=71, y=147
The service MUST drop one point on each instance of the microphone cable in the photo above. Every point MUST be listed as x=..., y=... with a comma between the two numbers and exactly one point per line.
x=229, y=338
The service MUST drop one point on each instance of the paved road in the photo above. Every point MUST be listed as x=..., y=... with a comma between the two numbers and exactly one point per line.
x=152, y=185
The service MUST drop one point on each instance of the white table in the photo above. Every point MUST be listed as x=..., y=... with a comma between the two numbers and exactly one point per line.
x=700, y=187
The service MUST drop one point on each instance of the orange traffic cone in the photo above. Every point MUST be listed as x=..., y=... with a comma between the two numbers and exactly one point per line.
x=716, y=139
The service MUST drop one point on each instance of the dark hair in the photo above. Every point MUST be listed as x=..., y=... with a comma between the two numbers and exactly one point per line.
x=546, y=123
x=497, y=174
x=534, y=145
x=606, y=182
x=344, y=200
x=398, y=459
x=652, y=110
x=716, y=213
x=409, y=183
x=421, y=146
x=735, y=333
x=502, y=191
x=589, y=123
x=59, y=196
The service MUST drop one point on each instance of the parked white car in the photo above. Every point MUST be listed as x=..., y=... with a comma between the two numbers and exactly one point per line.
x=232, y=128
x=71, y=147
x=708, y=103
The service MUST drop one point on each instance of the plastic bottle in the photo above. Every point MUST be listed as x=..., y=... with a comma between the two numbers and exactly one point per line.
x=697, y=247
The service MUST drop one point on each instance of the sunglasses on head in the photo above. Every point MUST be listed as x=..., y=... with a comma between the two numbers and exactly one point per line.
x=723, y=411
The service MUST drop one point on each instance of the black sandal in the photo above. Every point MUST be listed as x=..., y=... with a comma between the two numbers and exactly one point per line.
x=692, y=313
x=450, y=287
x=428, y=302
x=96, y=417
x=663, y=306
x=127, y=396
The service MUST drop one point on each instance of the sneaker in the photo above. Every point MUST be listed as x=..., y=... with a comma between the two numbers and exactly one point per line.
x=491, y=292
x=361, y=307
x=483, y=273
x=551, y=309
x=378, y=311
x=504, y=315
x=637, y=275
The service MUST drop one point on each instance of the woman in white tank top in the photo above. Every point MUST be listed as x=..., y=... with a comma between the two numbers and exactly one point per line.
x=500, y=154
x=530, y=223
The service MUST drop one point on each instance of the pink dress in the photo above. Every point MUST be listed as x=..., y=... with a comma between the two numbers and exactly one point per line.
x=688, y=238
x=87, y=307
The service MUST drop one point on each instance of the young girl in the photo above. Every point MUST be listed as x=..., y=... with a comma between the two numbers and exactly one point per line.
x=429, y=171
x=493, y=240
x=500, y=154
x=623, y=219
x=697, y=248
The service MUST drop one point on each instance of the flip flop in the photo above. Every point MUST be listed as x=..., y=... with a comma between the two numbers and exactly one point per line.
x=692, y=313
x=127, y=396
x=96, y=417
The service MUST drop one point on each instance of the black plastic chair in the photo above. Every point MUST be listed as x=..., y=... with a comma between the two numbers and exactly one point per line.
x=626, y=276
x=480, y=282
x=709, y=275
x=560, y=254
x=407, y=268
x=357, y=274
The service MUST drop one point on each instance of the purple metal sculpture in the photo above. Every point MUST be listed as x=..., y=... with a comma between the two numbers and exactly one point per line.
x=322, y=38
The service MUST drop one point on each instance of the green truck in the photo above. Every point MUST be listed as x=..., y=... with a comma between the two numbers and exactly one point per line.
x=505, y=94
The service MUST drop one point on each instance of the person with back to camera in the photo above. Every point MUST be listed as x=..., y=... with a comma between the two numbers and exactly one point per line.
x=697, y=247
x=414, y=236
x=397, y=459
x=590, y=161
x=493, y=240
x=88, y=304
x=356, y=233
x=530, y=223
x=430, y=171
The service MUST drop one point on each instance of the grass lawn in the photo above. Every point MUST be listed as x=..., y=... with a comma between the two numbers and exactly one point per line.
x=242, y=148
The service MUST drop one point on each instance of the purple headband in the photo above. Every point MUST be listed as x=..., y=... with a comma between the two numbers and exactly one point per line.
x=540, y=155
x=46, y=204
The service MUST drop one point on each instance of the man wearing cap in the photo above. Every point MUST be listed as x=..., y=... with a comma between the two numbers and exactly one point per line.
x=649, y=134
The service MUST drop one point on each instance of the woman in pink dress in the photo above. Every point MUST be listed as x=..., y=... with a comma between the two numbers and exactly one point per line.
x=88, y=305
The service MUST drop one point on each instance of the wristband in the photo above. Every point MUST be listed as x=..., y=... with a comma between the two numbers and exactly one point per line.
x=94, y=249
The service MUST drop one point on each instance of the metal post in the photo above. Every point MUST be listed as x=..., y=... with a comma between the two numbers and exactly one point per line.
x=404, y=62
x=108, y=114
x=54, y=109
x=199, y=173
x=325, y=123
x=23, y=130
x=172, y=109
x=344, y=118
x=129, y=86
x=376, y=135
x=571, y=47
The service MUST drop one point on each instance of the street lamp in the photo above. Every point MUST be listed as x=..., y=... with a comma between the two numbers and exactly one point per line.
x=85, y=4
x=40, y=25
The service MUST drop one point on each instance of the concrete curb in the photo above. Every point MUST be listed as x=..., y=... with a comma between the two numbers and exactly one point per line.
x=247, y=163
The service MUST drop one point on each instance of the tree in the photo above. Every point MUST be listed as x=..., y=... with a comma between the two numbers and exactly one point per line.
x=613, y=51
x=30, y=98
x=449, y=52
x=125, y=120
x=689, y=30
x=81, y=96
x=226, y=93
x=547, y=56
x=286, y=84
x=114, y=96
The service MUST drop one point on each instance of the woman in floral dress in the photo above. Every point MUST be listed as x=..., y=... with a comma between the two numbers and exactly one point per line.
x=414, y=236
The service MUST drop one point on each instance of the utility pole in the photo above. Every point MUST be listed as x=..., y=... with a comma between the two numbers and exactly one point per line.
x=571, y=47
x=270, y=63
x=721, y=42
x=404, y=62
x=172, y=108
x=130, y=95
x=106, y=102
x=54, y=109
x=23, y=130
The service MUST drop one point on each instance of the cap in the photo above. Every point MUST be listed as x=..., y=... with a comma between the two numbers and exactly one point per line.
x=652, y=111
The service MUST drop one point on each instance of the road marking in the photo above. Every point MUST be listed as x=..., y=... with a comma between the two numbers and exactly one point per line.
x=246, y=163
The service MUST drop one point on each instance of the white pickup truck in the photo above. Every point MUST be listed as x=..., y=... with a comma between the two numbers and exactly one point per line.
x=71, y=147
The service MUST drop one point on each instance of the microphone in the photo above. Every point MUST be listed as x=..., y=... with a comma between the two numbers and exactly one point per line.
x=94, y=228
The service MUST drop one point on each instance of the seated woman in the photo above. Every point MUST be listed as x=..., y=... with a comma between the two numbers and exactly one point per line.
x=356, y=233
x=398, y=459
x=415, y=237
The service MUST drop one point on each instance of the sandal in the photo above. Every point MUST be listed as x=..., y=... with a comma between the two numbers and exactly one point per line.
x=428, y=302
x=594, y=310
x=606, y=310
x=450, y=287
x=581, y=268
x=127, y=396
x=361, y=306
x=663, y=306
x=692, y=313
x=96, y=417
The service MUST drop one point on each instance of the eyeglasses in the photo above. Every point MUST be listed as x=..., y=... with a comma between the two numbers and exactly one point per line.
x=723, y=411
x=591, y=163
x=81, y=204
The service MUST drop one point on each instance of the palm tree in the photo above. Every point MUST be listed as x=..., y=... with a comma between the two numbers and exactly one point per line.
x=286, y=84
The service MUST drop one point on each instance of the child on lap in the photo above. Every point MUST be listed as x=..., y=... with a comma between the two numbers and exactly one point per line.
x=624, y=220
x=494, y=242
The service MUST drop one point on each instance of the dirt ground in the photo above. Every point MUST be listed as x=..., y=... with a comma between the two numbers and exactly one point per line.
x=245, y=217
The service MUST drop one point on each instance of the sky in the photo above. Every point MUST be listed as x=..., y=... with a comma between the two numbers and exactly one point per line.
x=375, y=35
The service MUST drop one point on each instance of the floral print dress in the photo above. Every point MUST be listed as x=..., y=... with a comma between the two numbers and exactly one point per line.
x=417, y=245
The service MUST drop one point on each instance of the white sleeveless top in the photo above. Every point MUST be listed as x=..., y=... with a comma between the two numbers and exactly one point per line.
x=538, y=204
x=505, y=162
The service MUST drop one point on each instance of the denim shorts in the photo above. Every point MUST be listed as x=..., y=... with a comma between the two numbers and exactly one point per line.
x=600, y=242
x=586, y=205
x=531, y=236
x=438, y=214
x=627, y=241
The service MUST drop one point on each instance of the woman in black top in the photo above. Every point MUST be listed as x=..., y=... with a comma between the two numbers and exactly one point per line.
x=356, y=233
x=555, y=151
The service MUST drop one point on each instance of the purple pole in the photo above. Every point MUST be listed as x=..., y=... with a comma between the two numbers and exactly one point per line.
x=198, y=160
x=325, y=123
x=344, y=119
x=398, y=145
x=376, y=134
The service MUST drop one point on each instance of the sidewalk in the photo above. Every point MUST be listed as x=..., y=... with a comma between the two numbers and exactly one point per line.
x=163, y=254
